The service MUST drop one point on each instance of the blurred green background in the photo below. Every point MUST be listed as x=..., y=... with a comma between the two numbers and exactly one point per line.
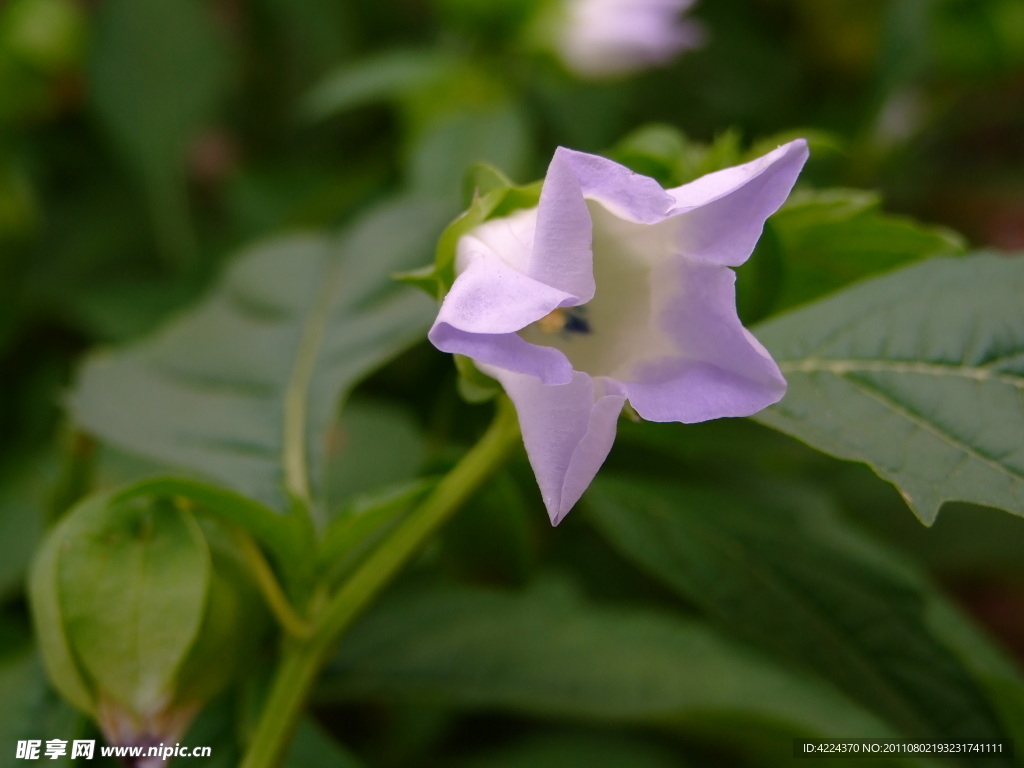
x=143, y=142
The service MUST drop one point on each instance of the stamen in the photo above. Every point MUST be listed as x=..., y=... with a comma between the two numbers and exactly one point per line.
x=565, y=320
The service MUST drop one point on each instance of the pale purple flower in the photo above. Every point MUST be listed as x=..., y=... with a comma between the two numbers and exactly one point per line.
x=611, y=38
x=615, y=289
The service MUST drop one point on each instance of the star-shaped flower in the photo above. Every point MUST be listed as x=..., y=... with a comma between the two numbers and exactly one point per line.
x=615, y=289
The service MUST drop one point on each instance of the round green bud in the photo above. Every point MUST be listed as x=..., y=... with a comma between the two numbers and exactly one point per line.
x=142, y=614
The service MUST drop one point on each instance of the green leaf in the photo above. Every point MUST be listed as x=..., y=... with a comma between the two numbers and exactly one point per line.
x=834, y=237
x=548, y=653
x=132, y=579
x=450, y=145
x=919, y=374
x=362, y=524
x=385, y=76
x=374, y=444
x=790, y=580
x=244, y=388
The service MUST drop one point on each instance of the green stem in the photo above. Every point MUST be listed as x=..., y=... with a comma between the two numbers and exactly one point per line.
x=289, y=619
x=302, y=658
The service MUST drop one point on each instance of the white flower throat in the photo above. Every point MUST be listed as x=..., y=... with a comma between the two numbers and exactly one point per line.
x=616, y=330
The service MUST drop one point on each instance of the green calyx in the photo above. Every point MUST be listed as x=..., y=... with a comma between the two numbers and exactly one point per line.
x=491, y=196
x=143, y=613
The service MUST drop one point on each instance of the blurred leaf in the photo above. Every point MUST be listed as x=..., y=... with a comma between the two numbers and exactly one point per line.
x=491, y=539
x=766, y=570
x=24, y=496
x=121, y=310
x=383, y=76
x=547, y=653
x=47, y=34
x=132, y=582
x=373, y=444
x=250, y=380
x=314, y=748
x=158, y=71
x=19, y=214
x=444, y=151
x=361, y=525
x=834, y=237
x=307, y=38
x=918, y=373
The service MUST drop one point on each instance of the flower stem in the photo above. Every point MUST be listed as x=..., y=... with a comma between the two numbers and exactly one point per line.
x=302, y=658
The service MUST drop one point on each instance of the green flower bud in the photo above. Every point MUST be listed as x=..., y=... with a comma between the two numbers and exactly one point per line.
x=142, y=614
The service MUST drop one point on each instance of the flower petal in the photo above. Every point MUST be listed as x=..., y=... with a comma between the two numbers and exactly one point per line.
x=562, y=256
x=487, y=304
x=491, y=297
x=722, y=214
x=568, y=431
x=721, y=369
x=627, y=194
x=506, y=350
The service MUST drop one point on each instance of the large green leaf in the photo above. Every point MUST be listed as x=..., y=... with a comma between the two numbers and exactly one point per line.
x=548, y=653
x=446, y=147
x=920, y=374
x=244, y=388
x=828, y=239
x=797, y=582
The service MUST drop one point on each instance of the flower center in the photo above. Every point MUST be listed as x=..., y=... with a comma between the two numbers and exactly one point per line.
x=616, y=329
x=565, y=320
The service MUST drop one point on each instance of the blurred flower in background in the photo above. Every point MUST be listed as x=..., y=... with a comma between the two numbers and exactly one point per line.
x=599, y=39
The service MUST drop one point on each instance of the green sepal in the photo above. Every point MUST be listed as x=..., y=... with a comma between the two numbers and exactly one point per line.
x=491, y=194
x=51, y=633
x=666, y=154
x=423, y=278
